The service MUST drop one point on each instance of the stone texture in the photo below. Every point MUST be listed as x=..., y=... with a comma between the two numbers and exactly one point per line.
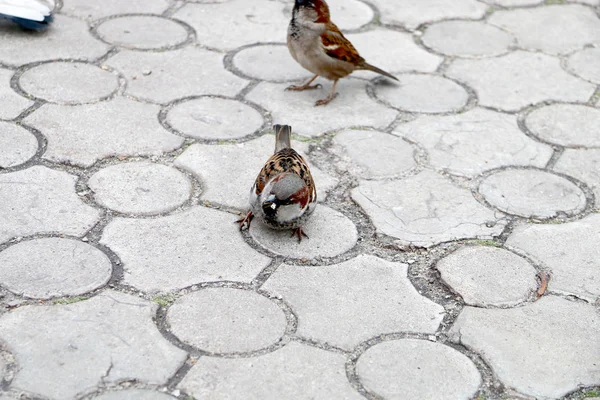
x=66, y=350
x=532, y=193
x=120, y=127
x=229, y=183
x=142, y=32
x=568, y=125
x=42, y=200
x=330, y=233
x=520, y=79
x=470, y=143
x=467, y=39
x=224, y=320
x=545, y=349
x=418, y=369
x=53, y=267
x=69, y=82
x=350, y=14
x=95, y=10
x=488, y=276
x=424, y=94
x=293, y=372
x=214, y=118
x=373, y=154
x=570, y=250
x=298, y=108
x=68, y=38
x=411, y=14
x=583, y=165
x=270, y=62
x=585, y=63
x=198, y=245
x=554, y=29
x=134, y=394
x=514, y=3
x=345, y=304
x=157, y=76
x=11, y=104
x=140, y=188
x=436, y=211
x=17, y=145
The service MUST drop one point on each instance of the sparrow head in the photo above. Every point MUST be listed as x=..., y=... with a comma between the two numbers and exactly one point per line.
x=285, y=197
x=315, y=11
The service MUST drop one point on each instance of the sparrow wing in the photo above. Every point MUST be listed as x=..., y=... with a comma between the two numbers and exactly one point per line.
x=337, y=46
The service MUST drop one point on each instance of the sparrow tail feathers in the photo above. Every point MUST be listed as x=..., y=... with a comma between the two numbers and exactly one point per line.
x=373, y=68
x=283, y=135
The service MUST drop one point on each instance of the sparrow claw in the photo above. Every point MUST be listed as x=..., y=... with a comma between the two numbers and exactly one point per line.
x=299, y=233
x=304, y=87
x=245, y=221
x=326, y=100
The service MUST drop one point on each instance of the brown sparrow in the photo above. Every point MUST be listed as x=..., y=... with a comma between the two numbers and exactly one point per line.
x=283, y=195
x=317, y=45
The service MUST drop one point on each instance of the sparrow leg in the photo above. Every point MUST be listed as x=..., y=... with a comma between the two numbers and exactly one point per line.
x=299, y=233
x=245, y=221
x=331, y=96
x=305, y=86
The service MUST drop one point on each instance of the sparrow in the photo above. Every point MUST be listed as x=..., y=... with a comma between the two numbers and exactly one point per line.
x=33, y=15
x=319, y=46
x=283, y=195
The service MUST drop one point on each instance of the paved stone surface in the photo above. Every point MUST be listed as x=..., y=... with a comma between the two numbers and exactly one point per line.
x=214, y=118
x=514, y=3
x=583, y=165
x=568, y=125
x=222, y=320
x=374, y=154
x=11, y=103
x=348, y=303
x=53, y=267
x=437, y=211
x=69, y=349
x=478, y=140
x=545, y=349
x=488, y=276
x=532, y=193
x=573, y=272
x=418, y=369
x=520, y=79
x=120, y=127
x=95, y=10
x=269, y=62
x=583, y=63
x=142, y=32
x=42, y=200
x=302, y=373
x=134, y=394
x=140, y=188
x=17, y=145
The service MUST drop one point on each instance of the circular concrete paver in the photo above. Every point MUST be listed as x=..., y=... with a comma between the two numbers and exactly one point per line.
x=418, y=369
x=142, y=32
x=140, y=188
x=584, y=63
x=134, y=394
x=569, y=125
x=269, y=62
x=532, y=193
x=67, y=82
x=224, y=320
x=467, y=39
x=17, y=145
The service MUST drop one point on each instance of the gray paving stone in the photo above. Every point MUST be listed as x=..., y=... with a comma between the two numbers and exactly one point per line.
x=467, y=39
x=545, y=349
x=167, y=253
x=96, y=10
x=436, y=211
x=532, y=193
x=142, y=32
x=470, y=143
x=68, y=38
x=42, y=200
x=488, y=276
x=140, y=188
x=345, y=304
x=418, y=369
x=224, y=320
x=520, y=79
x=214, y=118
x=554, y=29
x=411, y=14
x=583, y=165
x=169, y=69
x=298, y=108
x=134, y=394
x=2, y=369
x=424, y=94
x=373, y=154
x=292, y=372
x=269, y=62
x=590, y=2
x=69, y=82
x=569, y=125
x=350, y=14
x=330, y=233
x=17, y=145
x=514, y=3
x=585, y=63
x=229, y=183
x=52, y=267
x=120, y=127
x=569, y=250
x=11, y=104
x=66, y=350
